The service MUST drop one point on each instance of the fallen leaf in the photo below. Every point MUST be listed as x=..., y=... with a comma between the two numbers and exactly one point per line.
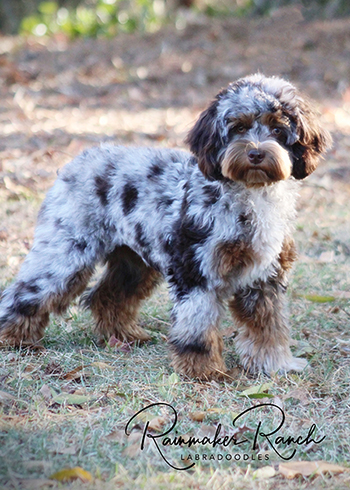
x=10, y=357
x=197, y=416
x=102, y=365
x=75, y=374
x=80, y=391
x=303, y=347
x=221, y=411
x=259, y=396
x=207, y=431
x=278, y=402
x=63, y=447
x=308, y=468
x=173, y=379
x=117, y=435
x=119, y=345
x=133, y=449
x=71, y=399
x=6, y=397
x=53, y=368
x=345, y=351
x=46, y=392
x=113, y=341
x=259, y=391
x=298, y=394
x=265, y=473
x=16, y=189
x=315, y=298
x=70, y=474
x=157, y=424
x=30, y=368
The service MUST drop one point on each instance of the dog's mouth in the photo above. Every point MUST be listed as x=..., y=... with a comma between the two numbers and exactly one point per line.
x=256, y=164
x=258, y=176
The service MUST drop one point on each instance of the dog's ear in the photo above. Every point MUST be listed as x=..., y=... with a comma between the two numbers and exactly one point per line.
x=205, y=142
x=313, y=141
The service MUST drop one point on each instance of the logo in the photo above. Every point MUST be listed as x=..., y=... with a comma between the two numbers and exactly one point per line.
x=278, y=440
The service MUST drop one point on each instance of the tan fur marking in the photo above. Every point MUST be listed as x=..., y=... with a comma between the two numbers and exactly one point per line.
x=263, y=339
x=288, y=254
x=237, y=167
x=29, y=330
x=114, y=310
x=274, y=119
x=205, y=366
x=245, y=120
x=231, y=256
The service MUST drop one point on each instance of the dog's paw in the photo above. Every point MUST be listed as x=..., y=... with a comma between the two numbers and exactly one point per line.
x=271, y=363
x=294, y=364
x=200, y=366
x=129, y=334
x=8, y=341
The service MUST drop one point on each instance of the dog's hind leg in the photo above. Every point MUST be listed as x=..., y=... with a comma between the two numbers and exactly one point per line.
x=116, y=299
x=54, y=273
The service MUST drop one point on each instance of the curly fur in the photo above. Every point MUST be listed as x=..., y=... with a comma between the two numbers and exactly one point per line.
x=215, y=223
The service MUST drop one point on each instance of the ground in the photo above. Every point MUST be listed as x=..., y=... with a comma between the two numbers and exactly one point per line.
x=67, y=405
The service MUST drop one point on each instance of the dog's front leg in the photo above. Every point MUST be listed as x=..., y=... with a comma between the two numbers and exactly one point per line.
x=263, y=340
x=195, y=340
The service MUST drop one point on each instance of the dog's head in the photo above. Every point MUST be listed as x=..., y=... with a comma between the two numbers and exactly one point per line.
x=258, y=130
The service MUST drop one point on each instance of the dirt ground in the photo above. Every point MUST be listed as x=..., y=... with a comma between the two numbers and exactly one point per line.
x=58, y=97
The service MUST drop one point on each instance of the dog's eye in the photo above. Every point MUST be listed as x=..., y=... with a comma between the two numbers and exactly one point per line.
x=240, y=128
x=277, y=131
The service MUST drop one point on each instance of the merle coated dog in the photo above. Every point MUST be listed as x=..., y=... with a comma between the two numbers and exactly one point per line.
x=216, y=223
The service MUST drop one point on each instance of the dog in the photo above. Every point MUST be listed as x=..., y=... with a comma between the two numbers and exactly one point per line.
x=216, y=223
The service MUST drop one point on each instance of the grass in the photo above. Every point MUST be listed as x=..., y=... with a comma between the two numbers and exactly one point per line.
x=67, y=405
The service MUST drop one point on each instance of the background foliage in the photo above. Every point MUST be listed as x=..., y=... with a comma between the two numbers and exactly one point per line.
x=101, y=18
x=105, y=18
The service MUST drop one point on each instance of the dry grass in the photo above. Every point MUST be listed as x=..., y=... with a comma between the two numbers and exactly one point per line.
x=51, y=416
x=44, y=429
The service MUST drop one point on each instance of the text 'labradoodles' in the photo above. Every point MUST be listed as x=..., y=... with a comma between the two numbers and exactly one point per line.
x=215, y=223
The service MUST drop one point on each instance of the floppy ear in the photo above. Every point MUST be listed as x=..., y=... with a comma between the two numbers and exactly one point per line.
x=205, y=142
x=312, y=142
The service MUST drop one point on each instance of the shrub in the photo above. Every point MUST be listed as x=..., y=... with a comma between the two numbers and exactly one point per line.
x=102, y=18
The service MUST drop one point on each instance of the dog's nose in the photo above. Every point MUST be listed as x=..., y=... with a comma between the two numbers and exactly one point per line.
x=256, y=156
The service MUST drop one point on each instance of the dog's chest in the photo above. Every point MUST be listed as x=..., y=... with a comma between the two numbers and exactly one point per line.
x=252, y=234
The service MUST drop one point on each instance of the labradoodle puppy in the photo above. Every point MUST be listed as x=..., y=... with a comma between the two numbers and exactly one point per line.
x=216, y=223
